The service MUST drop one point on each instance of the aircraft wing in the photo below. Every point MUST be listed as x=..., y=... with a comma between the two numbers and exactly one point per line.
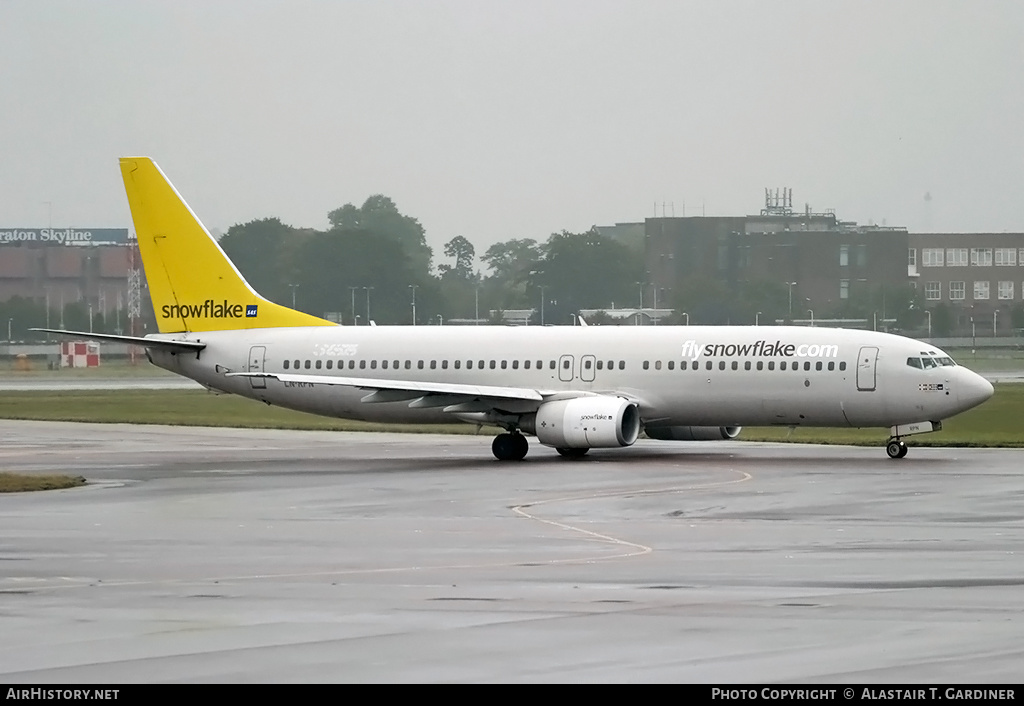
x=452, y=397
x=166, y=343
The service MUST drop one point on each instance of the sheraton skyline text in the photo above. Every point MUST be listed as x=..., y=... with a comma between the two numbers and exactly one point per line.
x=573, y=388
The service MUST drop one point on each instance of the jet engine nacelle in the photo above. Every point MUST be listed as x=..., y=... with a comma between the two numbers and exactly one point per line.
x=692, y=433
x=585, y=423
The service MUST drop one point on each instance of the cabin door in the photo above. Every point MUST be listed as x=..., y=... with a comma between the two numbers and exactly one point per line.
x=588, y=364
x=256, y=356
x=866, y=368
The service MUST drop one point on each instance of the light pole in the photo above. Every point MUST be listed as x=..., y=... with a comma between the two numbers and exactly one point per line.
x=355, y=319
x=476, y=301
x=9, y=329
x=791, y=285
x=413, y=288
x=367, y=303
x=541, y=305
x=811, y=312
x=687, y=318
x=995, y=319
x=757, y=319
x=293, y=287
x=928, y=313
x=440, y=321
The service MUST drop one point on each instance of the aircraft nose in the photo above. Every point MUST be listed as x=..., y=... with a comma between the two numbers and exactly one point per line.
x=973, y=389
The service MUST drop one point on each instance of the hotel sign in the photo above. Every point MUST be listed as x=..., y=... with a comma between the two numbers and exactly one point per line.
x=63, y=236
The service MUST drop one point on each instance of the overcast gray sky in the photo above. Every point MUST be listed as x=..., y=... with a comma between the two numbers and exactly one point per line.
x=498, y=120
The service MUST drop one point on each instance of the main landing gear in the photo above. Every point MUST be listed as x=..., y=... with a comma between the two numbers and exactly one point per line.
x=511, y=446
x=896, y=448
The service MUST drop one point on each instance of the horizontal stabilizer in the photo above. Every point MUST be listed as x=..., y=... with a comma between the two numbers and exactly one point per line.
x=165, y=343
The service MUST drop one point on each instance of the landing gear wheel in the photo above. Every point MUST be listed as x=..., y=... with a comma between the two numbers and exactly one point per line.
x=572, y=453
x=896, y=449
x=510, y=447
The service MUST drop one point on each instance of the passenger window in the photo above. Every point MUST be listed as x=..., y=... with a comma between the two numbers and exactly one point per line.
x=433, y=365
x=657, y=365
x=286, y=363
x=394, y=365
x=622, y=365
x=807, y=365
x=671, y=365
x=831, y=365
x=330, y=364
x=721, y=365
x=362, y=365
x=480, y=364
x=735, y=365
x=782, y=365
x=493, y=365
x=646, y=365
x=469, y=365
x=504, y=364
x=586, y=364
x=540, y=365
x=708, y=365
x=842, y=365
x=771, y=365
x=444, y=365
x=296, y=365
x=458, y=364
x=552, y=365
x=351, y=365
x=384, y=364
x=565, y=365
x=373, y=365
x=307, y=365
x=319, y=363
x=817, y=366
x=526, y=365
x=746, y=365
x=760, y=365
x=611, y=365
x=682, y=365
x=419, y=364
x=408, y=365
x=600, y=364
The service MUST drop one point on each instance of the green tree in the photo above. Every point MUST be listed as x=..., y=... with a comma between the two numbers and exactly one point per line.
x=464, y=253
x=263, y=251
x=511, y=263
x=584, y=271
x=379, y=215
x=380, y=269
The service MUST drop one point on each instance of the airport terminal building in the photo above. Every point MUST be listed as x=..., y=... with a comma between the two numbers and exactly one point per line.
x=820, y=262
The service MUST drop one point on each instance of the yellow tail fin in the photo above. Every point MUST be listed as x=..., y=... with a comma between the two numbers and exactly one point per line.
x=193, y=284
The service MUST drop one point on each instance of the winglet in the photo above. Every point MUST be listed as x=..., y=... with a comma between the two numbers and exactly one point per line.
x=192, y=283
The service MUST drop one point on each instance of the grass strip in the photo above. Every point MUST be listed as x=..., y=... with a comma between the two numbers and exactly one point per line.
x=997, y=423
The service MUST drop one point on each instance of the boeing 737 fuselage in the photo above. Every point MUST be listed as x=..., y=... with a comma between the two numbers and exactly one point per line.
x=573, y=388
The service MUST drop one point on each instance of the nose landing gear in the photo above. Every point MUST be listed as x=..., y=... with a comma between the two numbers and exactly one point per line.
x=896, y=448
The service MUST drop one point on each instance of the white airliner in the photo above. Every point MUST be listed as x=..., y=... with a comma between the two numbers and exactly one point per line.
x=574, y=388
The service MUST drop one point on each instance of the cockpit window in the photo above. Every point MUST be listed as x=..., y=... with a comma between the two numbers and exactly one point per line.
x=945, y=360
x=929, y=363
x=914, y=362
